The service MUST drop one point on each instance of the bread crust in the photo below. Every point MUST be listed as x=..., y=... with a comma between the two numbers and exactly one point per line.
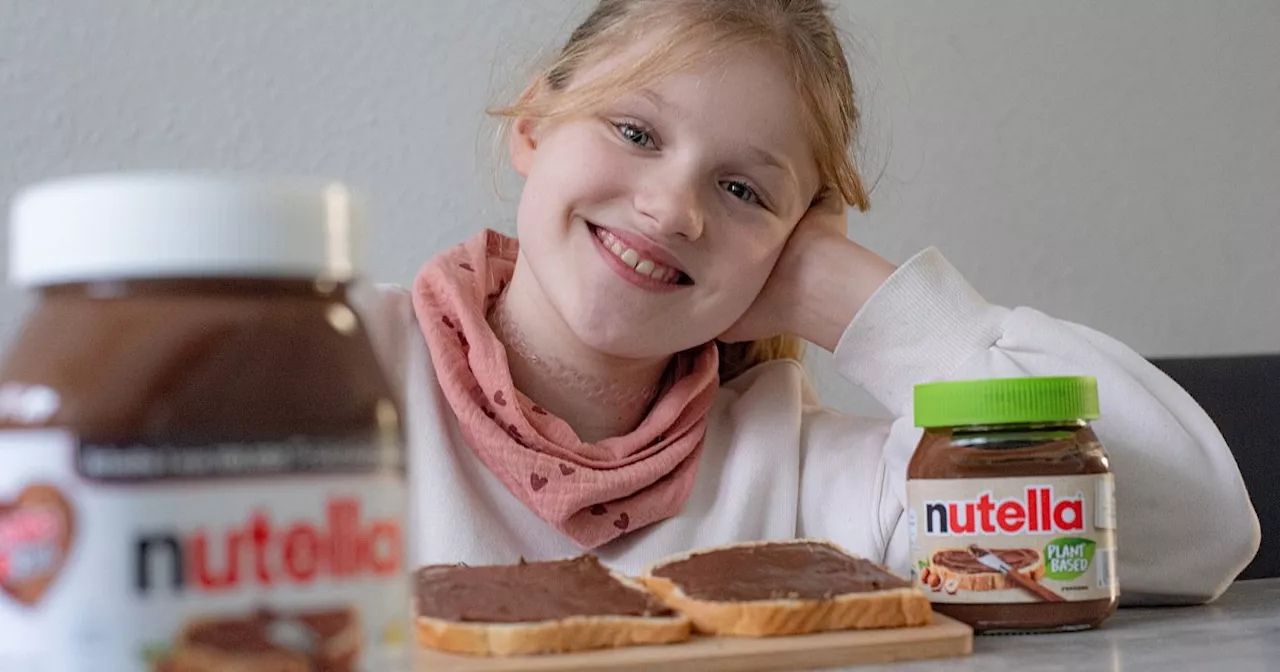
x=575, y=633
x=891, y=608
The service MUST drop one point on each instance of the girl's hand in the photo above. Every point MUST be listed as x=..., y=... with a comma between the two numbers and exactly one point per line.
x=819, y=283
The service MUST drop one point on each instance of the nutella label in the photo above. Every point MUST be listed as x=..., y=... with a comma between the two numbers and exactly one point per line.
x=128, y=558
x=1007, y=540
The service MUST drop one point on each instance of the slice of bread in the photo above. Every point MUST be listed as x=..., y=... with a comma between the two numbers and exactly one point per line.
x=536, y=608
x=773, y=588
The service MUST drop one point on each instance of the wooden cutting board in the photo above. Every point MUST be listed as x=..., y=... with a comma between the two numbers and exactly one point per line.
x=944, y=638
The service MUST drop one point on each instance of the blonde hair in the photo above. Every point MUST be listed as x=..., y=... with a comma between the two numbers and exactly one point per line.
x=686, y=31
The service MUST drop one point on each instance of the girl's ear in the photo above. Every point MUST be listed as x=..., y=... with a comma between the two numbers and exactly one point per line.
x=525, y=131
x=823, y=194
x=523, y=143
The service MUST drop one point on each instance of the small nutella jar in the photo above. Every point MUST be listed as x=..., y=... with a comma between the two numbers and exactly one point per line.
x=203, y=464
x=1012, y=519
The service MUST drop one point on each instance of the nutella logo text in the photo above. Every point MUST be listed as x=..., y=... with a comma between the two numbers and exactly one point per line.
x=1036, y=512
x=261, y=552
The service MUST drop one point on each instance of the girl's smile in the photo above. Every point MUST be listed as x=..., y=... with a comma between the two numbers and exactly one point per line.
x=638, y=261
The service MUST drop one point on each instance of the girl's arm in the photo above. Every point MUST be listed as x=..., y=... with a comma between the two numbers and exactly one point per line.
x=1186, y=526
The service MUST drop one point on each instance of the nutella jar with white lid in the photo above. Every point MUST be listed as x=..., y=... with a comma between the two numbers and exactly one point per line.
x=203, y=462
x=1011, y=504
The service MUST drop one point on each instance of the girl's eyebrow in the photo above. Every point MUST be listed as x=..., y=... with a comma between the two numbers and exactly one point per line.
x=768, y=158
x=654, y=98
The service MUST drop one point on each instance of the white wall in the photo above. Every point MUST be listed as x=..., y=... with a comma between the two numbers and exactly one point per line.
x=1112, y=163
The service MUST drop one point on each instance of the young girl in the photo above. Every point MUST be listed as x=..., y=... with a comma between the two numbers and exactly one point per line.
x=624, y=380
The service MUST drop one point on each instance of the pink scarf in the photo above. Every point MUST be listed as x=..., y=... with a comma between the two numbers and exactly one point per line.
x=593, y=493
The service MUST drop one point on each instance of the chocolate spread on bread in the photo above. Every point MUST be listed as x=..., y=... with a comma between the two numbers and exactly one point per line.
x=791, y=570
x=528, y=592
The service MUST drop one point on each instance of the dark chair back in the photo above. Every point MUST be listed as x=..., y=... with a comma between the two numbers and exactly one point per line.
x=1242, y=395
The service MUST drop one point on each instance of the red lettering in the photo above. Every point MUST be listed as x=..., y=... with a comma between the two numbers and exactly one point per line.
x=958, y=527
x=261, y=533
x=201, y=567
x=344, y=536
x=1033, y=507
x=385, y=536
x=1046, y=509
x=341, y=546
x=1035, y=510
x=1073, y=507
x=985, y=506
x=1011, y=517
x=302, y=553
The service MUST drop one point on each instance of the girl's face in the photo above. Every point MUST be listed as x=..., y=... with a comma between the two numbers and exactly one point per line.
x=651, y=225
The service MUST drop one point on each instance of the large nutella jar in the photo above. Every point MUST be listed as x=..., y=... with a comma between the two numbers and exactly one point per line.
x=203, y=466
x=1012, y=518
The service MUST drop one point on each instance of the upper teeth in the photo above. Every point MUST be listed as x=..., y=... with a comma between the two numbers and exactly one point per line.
x=641, y=264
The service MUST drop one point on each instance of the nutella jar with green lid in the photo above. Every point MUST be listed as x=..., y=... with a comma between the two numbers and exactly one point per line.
x=1011, y=504
x=203, y=462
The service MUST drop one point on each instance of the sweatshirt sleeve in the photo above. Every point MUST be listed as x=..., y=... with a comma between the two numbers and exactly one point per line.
x=1186, y=526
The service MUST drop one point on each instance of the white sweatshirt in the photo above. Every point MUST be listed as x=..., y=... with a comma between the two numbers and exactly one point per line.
x=777, y=465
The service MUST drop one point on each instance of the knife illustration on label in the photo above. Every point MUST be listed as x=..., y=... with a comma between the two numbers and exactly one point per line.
x=1032, y=586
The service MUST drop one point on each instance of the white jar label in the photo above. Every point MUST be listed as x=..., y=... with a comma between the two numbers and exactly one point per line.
x=117, y=559
x=1024, y=539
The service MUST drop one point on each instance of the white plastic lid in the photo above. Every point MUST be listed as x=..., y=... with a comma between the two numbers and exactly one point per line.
x=182, y=225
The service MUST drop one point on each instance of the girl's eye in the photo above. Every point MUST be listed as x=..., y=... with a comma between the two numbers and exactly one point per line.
x=635, y=134
x=742, y=192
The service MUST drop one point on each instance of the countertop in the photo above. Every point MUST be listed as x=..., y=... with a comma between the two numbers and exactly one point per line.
x=1239, y=632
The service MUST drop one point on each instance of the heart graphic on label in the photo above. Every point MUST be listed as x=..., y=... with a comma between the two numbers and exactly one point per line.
x=36, y=531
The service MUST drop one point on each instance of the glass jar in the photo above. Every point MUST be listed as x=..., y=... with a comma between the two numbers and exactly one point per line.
x=203, y=460
x=1012, y=517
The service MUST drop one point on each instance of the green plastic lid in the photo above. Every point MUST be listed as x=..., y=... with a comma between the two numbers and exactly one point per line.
x=1006, y=401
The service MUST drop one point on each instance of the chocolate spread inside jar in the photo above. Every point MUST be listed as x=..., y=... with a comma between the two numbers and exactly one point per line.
x=780, y=570
x=1011, y=518
x=201, y=413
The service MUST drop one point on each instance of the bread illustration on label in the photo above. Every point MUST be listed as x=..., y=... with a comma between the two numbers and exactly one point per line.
x=37, y=529
x=268, y=641
x=978, y=569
